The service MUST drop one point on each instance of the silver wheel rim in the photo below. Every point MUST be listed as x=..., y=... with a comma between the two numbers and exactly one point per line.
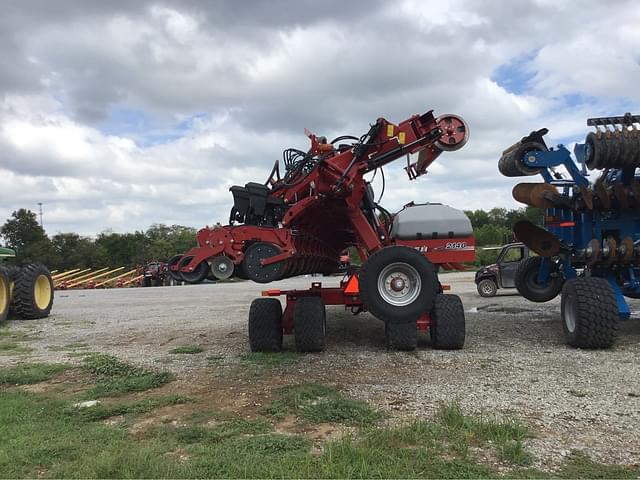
x=487, y=288
x=570, y=314
x=399, y=284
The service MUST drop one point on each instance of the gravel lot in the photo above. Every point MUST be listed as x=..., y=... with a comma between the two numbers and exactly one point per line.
x=514, y=363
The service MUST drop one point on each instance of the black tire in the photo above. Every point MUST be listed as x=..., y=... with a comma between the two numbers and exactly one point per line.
x=199, y=273
x=374, y=288
x=33, y=292
x=448, y=328
x=528, y=286
x=487, y=287
x=265, y=325
x=401, y=336
x=309, y=324
x=631, y=294
x=589, y=313
x=146, y=282
x=175, y=260
x=5, y=295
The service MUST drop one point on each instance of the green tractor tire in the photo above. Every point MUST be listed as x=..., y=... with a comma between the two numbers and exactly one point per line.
x=32, y=292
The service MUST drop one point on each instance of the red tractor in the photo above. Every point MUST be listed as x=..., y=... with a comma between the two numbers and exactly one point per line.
x=300, y=222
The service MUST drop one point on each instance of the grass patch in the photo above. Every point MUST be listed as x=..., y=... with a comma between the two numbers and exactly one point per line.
x=9, y=348
x=102, y=411
x=116, y=377
x=463, y=430
x=269, y=360
x=186, y=350
x=578, y=465
x=320, y=404
x=15, y=335
x=28, y=374
x=213, y=427
x=42, y=437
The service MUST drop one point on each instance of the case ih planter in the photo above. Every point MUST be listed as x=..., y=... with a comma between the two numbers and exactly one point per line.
x=300, y=221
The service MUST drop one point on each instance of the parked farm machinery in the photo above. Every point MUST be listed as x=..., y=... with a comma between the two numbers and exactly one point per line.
x=589, y=250
x=300, y=221
x=26, y=292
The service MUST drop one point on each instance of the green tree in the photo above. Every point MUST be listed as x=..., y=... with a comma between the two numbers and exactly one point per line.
x=23, y=233
x=74, y=251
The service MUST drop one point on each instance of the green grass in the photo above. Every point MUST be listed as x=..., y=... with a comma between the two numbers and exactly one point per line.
x=102, y=411
x=579, y=465
x=187, y=350
x=320, y=404
x=44, y=437
x=28, y=374
x=269, y=360
x=116, y=377
x=15, y=335
x=506, y=434
x=213, y=427
x=10, y=348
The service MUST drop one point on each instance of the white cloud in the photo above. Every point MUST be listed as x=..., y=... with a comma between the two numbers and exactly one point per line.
x=234, y=84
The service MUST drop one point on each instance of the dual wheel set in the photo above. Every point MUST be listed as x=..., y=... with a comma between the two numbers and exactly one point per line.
x=26, y=292
x=397, y=285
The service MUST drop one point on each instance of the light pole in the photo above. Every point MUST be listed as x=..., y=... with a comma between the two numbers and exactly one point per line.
x=41, y=224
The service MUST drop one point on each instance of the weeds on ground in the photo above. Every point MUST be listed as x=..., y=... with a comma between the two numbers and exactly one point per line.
x=15, y=335
x=464, y=430
x=102, y=411
x=11, y=348
x=116, y=377
x=186, y=350
x=269, y=360
x=46, y=437
x=320, y=404
x=28, y=374
x=213, y=427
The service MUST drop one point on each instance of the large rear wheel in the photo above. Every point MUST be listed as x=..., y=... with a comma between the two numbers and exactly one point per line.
x=33, y=292
x=398, y=284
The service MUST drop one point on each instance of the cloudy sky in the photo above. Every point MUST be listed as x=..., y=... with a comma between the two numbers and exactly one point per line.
x=121, y=114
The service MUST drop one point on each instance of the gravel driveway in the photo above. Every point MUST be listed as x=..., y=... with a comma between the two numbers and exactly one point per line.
x=514, y=363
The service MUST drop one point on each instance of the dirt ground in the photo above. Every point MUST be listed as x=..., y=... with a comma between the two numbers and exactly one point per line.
x=515, y=362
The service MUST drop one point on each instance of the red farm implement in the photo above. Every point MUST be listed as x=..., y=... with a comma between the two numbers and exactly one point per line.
x=301, y=222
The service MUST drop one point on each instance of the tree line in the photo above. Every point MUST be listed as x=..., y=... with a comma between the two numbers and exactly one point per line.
x=64, y=251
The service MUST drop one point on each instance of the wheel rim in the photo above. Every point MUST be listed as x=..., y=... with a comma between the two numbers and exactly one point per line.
x=570, y=313
x=399, y=284
x=487, y=288
x=42, y=292
x=4, y=299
